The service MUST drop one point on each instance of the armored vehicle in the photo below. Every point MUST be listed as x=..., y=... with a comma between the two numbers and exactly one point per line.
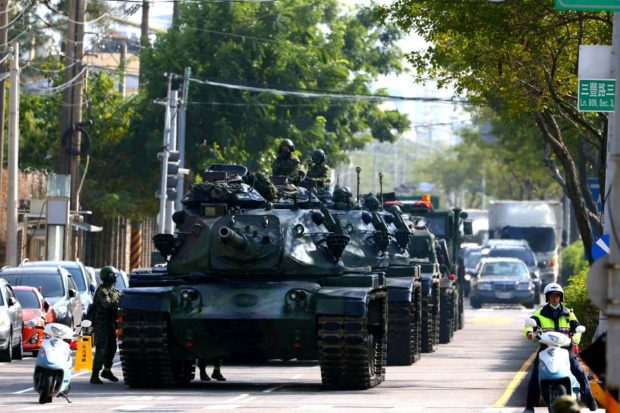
x=250, y=279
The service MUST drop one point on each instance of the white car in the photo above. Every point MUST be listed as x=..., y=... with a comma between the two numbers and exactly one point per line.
x=11, y=324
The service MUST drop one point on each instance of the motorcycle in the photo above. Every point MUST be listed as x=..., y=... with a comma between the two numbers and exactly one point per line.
x=53, y=365
x=554, y=374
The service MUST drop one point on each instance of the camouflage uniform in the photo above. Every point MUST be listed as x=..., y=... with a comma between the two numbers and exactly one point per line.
x=104, y=313
x=286, y=165
x=320, y=173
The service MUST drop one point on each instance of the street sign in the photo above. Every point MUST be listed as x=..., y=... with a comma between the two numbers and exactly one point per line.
x=588, y=5
x=595, y=189
x=600, y=247
x=596, y=95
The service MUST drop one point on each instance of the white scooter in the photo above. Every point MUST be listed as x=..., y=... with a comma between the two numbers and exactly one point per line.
x=53, y=366
x=554, y=375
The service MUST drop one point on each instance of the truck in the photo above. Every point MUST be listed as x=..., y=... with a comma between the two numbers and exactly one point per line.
x=537, y=222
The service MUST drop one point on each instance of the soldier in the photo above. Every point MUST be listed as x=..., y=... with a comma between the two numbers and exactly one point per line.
x=318, y=170
x=103, y=314
x=342, y=198
x=286, y=164
x=216, y=375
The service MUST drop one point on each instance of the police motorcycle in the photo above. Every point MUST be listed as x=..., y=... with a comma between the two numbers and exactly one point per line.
x=554, y=374
x=53, y=365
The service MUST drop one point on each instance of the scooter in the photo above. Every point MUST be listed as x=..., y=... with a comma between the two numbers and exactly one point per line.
x=53, y=365
x=554, y=375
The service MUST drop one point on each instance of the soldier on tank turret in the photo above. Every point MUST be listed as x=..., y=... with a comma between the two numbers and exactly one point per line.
x=318, y=170
x=372, y=203
x=286, y=164
x=342, y=198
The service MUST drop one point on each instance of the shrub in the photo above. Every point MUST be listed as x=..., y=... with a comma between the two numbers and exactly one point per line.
x=573, y=260
x=576, y=297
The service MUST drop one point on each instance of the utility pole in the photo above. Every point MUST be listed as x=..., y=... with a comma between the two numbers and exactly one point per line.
x=181, y=138
x=13, y=153
x=172, y=150
x=123, y=71
x=4, y=18
x=144, y=35
x=161, y=217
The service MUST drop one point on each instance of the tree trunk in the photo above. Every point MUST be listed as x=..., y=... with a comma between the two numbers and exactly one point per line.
x=553, y=135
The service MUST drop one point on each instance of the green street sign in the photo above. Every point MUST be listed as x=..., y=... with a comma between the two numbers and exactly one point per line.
x=588, y=5
x=596, y=95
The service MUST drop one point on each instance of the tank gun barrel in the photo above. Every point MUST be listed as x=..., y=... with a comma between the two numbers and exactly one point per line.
x=230, y=237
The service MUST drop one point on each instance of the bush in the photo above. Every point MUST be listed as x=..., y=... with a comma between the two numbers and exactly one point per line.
x=573, y=261
x=576, y=297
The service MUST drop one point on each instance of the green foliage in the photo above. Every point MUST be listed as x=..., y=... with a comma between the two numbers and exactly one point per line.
x=576, y=297
x=573, y=261
x=293, y=45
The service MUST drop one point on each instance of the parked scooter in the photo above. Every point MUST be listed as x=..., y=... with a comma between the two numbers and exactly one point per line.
x=53, y=366
x=554, y=374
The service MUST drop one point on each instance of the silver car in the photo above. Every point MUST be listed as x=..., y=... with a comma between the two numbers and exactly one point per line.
x=11, y=324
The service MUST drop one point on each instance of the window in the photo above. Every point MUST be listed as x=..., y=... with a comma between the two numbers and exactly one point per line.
x=525, y=255
x=1, y=296
x=504, y=269
x=28, y=299
x=50, y=285
x=78, y=278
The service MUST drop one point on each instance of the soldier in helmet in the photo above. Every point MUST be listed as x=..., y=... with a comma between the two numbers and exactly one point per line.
x=342, y=198
x=318, y=170
x=286, y=164
x=372, y=203
x=103, y=313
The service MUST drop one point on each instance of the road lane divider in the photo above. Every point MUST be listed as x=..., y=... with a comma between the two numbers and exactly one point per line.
x=516, y=380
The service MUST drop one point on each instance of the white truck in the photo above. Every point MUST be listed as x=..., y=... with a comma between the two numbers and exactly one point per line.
x=537, y=222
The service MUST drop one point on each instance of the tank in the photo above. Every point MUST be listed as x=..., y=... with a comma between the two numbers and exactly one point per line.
x=248, y=279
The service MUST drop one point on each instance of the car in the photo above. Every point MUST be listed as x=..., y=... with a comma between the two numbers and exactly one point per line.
x=502, y=280
x=517, y=249
x=85, y=285
x=122, y=279
x=57, y=286
x=470, y=253
x=36, y=313
x=11, y=331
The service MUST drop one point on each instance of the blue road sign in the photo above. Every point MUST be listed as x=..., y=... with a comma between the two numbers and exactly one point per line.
x=595, y=189
x=600, y=247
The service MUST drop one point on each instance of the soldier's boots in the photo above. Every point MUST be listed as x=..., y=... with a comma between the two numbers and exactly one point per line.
x=217, y=375
x=107, y=374
x=204, y=376
x=94, y=378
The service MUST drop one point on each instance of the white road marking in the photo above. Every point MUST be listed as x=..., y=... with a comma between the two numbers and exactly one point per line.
x=132, y=407
x=39, y=407
x=222, y=407
x=297, y=376
x=269, y=390
x=315, y=406
x=240, y=397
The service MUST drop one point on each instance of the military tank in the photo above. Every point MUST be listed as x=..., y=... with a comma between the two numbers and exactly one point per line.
x=251, y=279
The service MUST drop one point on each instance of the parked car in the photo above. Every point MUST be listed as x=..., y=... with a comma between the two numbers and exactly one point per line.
x=36, y=313
x=470, y=253
x=517, y=249
x=80, y=275
x=10, y=324
x=502, y=280
x=56, y=285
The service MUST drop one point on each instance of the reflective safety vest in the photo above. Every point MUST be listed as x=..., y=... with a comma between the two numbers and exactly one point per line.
x=562, y=320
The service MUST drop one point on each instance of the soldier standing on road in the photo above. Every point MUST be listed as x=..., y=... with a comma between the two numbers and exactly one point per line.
x=553, y=316
x=216, y=375
x=318, y=170
x=286, y=164
x=103, y=313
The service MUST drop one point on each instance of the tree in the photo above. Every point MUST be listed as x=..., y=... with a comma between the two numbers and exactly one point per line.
x=519, y=58
x=294, y=45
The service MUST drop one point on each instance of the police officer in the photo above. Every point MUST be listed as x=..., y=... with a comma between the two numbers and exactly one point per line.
x=286, y=164
x=318, y=170
x=103, y=316
x=553, y=316
x=216, y=375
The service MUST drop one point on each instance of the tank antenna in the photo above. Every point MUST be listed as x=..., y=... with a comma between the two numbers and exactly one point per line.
x=381, y=189
x=357, y=171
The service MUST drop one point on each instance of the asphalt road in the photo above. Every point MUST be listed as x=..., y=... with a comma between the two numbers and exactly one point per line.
x=482, y=370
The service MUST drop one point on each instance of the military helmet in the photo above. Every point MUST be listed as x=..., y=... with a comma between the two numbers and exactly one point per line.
x=554, y=288
x=318, y=156
x=372, y=203
x=108, y=274
x=341, y=194
x=287, y=142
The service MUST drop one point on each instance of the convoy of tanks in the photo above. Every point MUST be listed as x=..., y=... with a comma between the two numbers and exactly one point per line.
x=356, y=284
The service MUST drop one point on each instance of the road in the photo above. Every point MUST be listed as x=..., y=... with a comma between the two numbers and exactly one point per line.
x=480, y=371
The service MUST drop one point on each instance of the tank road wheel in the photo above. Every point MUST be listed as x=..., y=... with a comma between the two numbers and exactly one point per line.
x=429, y=324
x=416, y=299
x=401, y=334
x=352, y=350
x=145, y=355
x=436, y=313
x=445, y=317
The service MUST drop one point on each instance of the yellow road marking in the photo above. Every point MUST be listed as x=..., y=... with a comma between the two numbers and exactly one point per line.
x=516, y=380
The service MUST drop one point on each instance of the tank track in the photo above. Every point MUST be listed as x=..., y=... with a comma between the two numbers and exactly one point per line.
x=447, y=316
x=461, y=309
x=145, y=355
x=405, y=331
x=430, y=320
x=347, y=361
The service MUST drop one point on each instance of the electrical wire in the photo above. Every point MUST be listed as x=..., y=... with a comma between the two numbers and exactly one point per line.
x=9, y=24
x=330, y=95
x=87, y=22
x=63, y=86
x=16, y=37
x=38, y=69
x=9, y=9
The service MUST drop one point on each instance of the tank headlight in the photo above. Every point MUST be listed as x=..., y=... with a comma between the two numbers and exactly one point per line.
x=296, y=300
x=349, y=228
x=189, y=294
x=298, y=230
x=467, y=277
x=318, y=218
